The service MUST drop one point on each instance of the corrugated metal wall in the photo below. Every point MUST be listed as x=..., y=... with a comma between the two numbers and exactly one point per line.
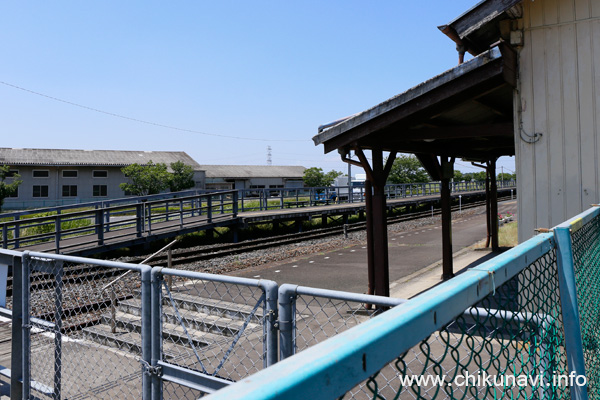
x=558, y=175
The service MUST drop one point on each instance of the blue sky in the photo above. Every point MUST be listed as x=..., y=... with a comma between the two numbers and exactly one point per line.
x=249, y=74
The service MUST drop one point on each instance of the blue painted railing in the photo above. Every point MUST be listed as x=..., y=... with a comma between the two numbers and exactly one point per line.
x=526, y=312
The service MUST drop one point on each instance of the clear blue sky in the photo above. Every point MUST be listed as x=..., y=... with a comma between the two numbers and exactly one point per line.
x=269, y=70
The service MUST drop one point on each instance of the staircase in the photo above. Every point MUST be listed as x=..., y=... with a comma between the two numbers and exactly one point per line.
x=186, y=320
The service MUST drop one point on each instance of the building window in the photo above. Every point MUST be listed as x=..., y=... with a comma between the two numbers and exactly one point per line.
x=40, y=190
x=69, y=174
x=69, y=190
x=100, y=191
x=41, y=173
x=12, y=173
x=100, y=174
x=14, y=194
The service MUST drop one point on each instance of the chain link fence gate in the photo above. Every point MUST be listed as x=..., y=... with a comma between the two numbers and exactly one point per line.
x=66, y=354
x=209, y=331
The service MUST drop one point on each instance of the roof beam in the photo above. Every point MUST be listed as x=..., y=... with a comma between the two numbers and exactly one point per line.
x=452, y=132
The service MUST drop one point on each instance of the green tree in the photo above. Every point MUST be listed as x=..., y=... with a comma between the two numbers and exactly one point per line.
x=315, y=177
x=506, y=176
x=408, y=169
x=182, y=177
x=146, y=179
x=474, y=176
x=8, y=189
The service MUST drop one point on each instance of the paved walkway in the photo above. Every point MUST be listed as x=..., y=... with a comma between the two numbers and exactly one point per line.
x=414, y=259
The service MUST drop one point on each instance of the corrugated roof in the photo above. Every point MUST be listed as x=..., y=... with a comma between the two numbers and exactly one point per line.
x=117, y=158
x=253, y=171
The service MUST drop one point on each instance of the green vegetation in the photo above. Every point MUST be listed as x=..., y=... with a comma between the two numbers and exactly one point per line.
x=8, y=189
x=408, y=169
x=507, y=235
x=182, y=177
x=154, y=178
x=315, y=177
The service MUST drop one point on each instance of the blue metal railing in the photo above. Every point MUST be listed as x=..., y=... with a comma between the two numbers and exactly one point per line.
x=543, y=268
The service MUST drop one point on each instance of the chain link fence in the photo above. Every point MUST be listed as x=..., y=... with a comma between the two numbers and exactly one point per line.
x=586, y=256
x=218, y=329
x=492, y=338
x=74, y=352
x=88, y=330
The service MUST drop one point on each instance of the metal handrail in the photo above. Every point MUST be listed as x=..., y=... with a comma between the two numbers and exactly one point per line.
x=113, y=296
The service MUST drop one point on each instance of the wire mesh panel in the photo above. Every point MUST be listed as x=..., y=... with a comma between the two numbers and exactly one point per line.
x=77, y=349
x=214, y=329
x=586, y=259
x=319, y=318
x=498, y=348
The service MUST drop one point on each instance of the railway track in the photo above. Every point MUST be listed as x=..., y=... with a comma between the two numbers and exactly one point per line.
x=189, y=256
x=78, y=315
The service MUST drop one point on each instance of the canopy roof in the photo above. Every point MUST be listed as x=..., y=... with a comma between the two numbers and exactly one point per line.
x=465, y=112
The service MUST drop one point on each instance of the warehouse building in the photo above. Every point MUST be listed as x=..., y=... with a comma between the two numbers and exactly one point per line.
x=56, y=177
x=253, y=176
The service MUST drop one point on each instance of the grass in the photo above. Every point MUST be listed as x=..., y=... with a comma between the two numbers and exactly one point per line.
x=507, y=235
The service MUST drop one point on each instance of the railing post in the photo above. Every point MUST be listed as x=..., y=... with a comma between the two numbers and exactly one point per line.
x=58, y=314
x=569, y=306
x=17, y=345
x=57, y=233
x=26, y=327
x=100, y=219
x=149, y=218
x=139, y=226
x=242, y=200
x=287, y=322
x=271, y=320
x=209, y=208
x=5, y=235
x=147, y=338
x=17, y=232
x=235, y=204
x=181, y=213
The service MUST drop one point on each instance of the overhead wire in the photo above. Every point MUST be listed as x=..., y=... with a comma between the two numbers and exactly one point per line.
x=144, y=121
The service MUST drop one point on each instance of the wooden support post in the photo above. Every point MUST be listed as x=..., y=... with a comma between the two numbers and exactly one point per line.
x=493, y=204
x=447, y=268
x=447, y=169
x=324, y=220
x=370, y=243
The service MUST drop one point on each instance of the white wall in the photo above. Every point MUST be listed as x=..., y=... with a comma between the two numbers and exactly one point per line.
x=559, y=87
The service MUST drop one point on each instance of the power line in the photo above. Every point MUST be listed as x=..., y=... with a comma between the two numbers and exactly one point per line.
x=147, y=122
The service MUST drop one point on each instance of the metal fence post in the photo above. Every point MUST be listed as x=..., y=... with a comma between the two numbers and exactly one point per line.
x=271, y=321
x=146, y=282
x=26, y=327
x=235, y=204
x=5, y=236
x=57, y=233
x=100, y=230
x=156, y=322
x=18, y=349
x=138, y=219
x=569, y=306
x=58, y=314
x=209, y=208
x=287, y=300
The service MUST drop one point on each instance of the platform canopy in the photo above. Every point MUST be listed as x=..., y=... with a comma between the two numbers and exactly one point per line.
x=465, y=112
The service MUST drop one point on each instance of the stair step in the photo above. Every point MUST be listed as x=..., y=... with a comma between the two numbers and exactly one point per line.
x=218, y=308
x=171, y=331
x=131, y=341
